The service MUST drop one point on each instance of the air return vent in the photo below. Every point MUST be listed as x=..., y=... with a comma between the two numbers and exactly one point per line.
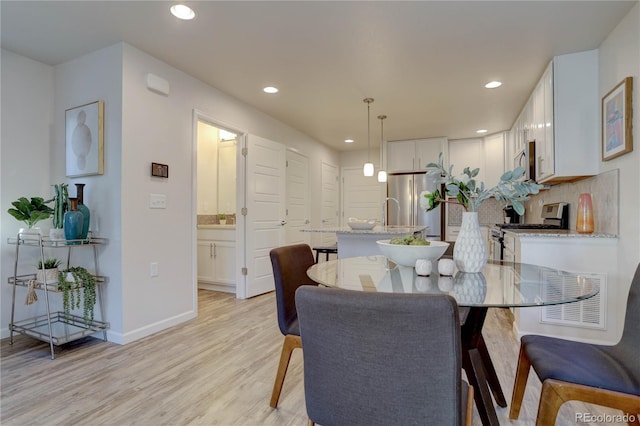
x=590, y=313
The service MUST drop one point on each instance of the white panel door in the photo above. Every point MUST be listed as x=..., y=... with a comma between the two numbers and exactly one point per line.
x=361, y=196
x=298, y=199
x=329, y=202
x=265, y=211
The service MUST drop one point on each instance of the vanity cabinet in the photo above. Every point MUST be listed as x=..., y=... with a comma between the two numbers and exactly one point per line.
x=216, y=250
x=413, y=155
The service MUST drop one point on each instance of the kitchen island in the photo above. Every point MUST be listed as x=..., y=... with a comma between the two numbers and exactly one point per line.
x=358, y=242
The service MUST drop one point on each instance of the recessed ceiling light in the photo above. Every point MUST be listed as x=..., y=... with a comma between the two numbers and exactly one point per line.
x=481, y=131
x=270, y=89
x=493, y=84
x=348, y=141
x=182, y=11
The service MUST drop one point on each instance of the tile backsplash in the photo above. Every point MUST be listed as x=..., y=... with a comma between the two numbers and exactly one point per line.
x=489, y=213
x=604, y=190
x=605, y=193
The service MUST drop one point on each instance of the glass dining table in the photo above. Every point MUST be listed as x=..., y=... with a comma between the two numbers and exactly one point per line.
x=499, y=285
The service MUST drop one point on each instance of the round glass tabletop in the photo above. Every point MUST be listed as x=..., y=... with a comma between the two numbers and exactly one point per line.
x=500, y=284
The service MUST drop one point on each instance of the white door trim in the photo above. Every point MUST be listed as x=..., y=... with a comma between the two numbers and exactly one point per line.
x=240, y=202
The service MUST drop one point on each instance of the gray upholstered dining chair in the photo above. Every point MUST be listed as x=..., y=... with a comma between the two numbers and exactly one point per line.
x=596, y=374
x=382, y=358
x=290, y=264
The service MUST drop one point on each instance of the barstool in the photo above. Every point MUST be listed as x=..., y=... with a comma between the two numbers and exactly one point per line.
x=327, y=250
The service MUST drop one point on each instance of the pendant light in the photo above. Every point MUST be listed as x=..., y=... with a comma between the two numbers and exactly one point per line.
x=368, y=166
x=382, y=175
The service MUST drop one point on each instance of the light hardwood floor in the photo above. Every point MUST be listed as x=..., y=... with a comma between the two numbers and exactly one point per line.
x=215, y=370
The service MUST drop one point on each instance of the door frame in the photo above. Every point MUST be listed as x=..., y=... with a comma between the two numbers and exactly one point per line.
x=307, y=236
x=240, y=253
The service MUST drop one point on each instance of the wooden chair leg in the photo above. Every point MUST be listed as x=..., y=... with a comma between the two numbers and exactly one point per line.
x=519, y=385
x=290, y=343
x=469, y=414
x=310, y=423
x=550, y=402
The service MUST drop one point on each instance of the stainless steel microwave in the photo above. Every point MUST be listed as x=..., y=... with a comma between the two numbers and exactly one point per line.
x=527, y=160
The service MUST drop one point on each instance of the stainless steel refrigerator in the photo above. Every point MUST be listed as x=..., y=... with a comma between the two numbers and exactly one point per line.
x=406, y=188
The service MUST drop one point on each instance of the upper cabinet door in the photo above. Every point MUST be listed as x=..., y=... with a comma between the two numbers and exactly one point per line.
x=401, y=156
x=414, y=155
x=428, y=150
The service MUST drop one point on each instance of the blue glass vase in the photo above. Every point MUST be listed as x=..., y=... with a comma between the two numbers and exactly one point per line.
x=82, y=208
x=73, y=221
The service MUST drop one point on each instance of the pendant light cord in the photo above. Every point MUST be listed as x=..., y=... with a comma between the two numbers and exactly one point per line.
x=368, y=102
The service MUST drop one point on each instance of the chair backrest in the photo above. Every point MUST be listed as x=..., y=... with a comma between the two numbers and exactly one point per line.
x=627, y=348
x=380, y=358
x=290, y=264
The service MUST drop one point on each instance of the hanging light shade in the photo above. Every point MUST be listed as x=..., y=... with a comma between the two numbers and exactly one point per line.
x=368, y=166
x=382, y=175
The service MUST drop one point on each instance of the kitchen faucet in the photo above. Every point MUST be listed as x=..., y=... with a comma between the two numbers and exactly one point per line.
x=384, y=222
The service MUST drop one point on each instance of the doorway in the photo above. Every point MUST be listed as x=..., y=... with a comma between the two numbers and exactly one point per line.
x=216, y=206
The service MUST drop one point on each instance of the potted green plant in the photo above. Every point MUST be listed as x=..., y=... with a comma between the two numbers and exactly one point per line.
x=30, y=212
x=222, y=219
x=77, y=284
x=48, y=271
x=60, y=206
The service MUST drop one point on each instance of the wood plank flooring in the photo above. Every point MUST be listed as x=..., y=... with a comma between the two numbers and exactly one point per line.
x=217, y=369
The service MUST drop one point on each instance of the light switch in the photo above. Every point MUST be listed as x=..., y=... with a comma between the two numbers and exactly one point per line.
x=153, y=269
x=157, y=201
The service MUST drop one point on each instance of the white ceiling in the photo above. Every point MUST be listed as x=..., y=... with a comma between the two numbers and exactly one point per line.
x=424, y=62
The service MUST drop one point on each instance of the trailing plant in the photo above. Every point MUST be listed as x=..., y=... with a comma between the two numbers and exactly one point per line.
x=72, y=291
x=30, y=212
x=60, y=204
x=49, y=263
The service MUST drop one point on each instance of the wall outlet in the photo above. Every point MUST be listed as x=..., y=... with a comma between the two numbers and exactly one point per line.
x=153, y=269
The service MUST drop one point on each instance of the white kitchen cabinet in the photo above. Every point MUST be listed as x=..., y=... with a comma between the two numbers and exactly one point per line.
x=414, y=155
x=595, y=320
x=494, y=158
x=562, y=117
x=467, y=153
x=217, y=259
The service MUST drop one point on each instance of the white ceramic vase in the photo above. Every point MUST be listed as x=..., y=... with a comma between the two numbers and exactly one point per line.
x=470, y=251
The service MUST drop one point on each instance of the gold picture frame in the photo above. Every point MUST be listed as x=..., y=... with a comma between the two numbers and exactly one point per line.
x=84, y=133
x=617, y=136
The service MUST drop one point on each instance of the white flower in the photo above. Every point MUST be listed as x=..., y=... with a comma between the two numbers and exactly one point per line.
x=424, y=200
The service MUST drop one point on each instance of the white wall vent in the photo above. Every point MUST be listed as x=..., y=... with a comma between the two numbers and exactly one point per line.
x=590, y=313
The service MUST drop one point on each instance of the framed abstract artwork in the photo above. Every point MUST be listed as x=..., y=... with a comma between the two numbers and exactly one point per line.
x=616, y=121
x=84, y=132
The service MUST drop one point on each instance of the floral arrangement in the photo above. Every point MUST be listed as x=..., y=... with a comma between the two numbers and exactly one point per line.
x=511, y=190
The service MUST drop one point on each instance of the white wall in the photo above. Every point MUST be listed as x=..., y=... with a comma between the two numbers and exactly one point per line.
x=140, y=127
x=620, y=58
x=25, y=143
x=158, y=128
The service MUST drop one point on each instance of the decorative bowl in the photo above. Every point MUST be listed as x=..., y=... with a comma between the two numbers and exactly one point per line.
x=407, y=255
x=361, y=224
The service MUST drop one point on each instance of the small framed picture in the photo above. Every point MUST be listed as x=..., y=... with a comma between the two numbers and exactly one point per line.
x=616, y=121
x=84, y=132
x=159, y=170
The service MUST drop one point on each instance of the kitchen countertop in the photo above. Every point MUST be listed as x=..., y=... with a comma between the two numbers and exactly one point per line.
x=554, y=233
x=376, y=230
x=216, y=226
